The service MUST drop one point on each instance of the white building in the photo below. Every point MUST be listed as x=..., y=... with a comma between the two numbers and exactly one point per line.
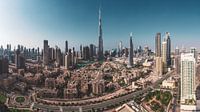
x=169, y=83
x=188, y=71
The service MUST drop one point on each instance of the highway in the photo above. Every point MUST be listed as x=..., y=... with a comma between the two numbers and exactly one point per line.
x=104, y=104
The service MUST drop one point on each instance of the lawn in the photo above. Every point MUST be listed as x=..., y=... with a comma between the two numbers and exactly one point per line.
x=17, y=110
x=20, y=99
x=2, y=98
x=156, y=97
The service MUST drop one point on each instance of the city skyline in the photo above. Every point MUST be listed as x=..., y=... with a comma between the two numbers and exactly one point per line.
x=74, y=21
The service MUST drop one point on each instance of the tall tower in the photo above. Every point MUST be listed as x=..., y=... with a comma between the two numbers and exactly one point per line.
x=46, y=53
x=158, y=45
x=164, y=56
x=168, y=40
x=194, y=51
x=130, y=58
x=100, y=50
x=66, y=47
x=188, y=71
x=120, y=49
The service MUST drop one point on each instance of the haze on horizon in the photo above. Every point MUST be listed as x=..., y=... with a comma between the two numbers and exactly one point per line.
x=29, y=22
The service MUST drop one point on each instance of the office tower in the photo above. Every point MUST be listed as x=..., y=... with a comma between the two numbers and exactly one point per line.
x=92, y=47
x=4, y=65
x=100, y=50
x=126, y=52
x=139, y=50
x=158, y=45
x=95, y=50
x=17, y=53
x=177, y=52
x=58, y=56
x=68, y=60
x=120, y=49
x=46, y=53
x=1, y=51
x=183, y=49
x=70, y=55
x=164, y=56
x=86, y=53
x=50, y=53
x=73, y=56
x=168, y=40
x=188, y=87
x=130, y=58
x=19, y=60
x=81, y=50
x=159, y=66
x=177, y=64
x=66, y=46
x=38, y=51
x=194, y=51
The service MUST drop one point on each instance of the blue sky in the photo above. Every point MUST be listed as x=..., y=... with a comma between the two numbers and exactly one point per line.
x=29, y=22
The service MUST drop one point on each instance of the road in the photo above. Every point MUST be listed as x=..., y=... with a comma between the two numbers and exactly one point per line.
x=104, y=104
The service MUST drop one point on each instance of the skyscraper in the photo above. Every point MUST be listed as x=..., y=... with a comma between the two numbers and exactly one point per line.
x=130, y=58
x=100, y=50
x=194, y=51
x=81, y=51
x=158, y=45
x=168, y=40
x=19, y=60
x=67, y=60
x=120, y=49
x=164, y=56
x=188, y=71
x=91, y=51
x=66, y=46
x=86, y=53
x=159, y=66
x=177, y=51
x=4, y=65
x=46, y=53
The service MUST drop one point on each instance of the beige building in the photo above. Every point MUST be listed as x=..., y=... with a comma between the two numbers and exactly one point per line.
x=98, y=87
x=159, y=66
x=164, y=56
x=170, y=84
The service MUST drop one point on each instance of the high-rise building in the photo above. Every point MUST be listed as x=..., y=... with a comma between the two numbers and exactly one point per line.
x=92, y=47
x=159, y=66
x=73, y=56
x=66, y=46
x=164, y=56
x=177, y=64
x=168, y=40
x=188, y=87
x=120, y=49
x=81, y=50
x=46, y=53
x=130, y=58
x=177, y=51
x=194, y=51
x=58, y=56
x=19, y=60
x=86, y=53
x=126, y=52
x=4, y=65
x=158, y=45
x=68, y=60
x=100, y=50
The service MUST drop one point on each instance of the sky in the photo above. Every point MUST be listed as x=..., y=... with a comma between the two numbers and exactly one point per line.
x=29, y=22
